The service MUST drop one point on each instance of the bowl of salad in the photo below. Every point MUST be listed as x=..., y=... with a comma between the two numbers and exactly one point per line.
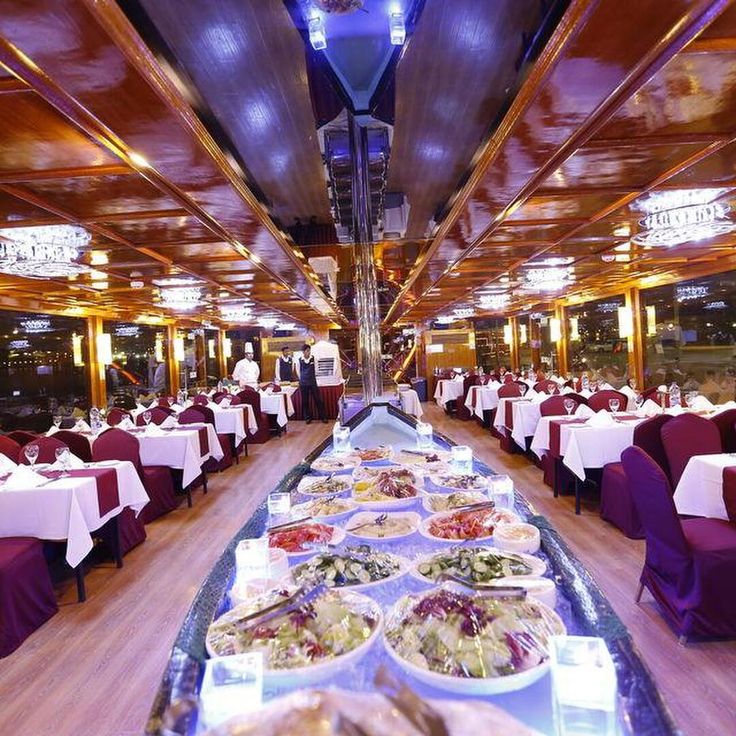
x=329, y=507
x=305, y=538
x=315, y=485
x=336, y=463
x=475, y=524
x=459, y=481
x=313, y=640
x=378, y=488
x=375, y=526
x=436, y=502
x=477, y=565
x=473, y=643
x=355, y=568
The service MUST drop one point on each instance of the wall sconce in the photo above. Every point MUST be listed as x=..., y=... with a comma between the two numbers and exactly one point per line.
x=522, y=335
x=574, y=332
x=158, y=349
x=227, y=347
x=507, y=334
x=104, y=348
x=625, y=322
x=211, y=348
x=555, y=329
x=77, y=356
x=179, y=349
x=651, y=321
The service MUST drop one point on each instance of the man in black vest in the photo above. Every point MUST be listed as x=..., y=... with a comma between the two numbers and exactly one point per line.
x=308, y=385
x=285, y=366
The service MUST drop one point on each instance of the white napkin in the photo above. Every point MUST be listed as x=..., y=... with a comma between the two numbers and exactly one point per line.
x=650, y=408
x=23, y=477
x=139, y=409
x=584, y=411
x=176, y=408
x=725, y=407
x=586, y=393
x=626, y=389
x=74, y=463
x=701, y=403
x=153, y=430
x=675, y=411
x=537, y=397
x=169, y=423
x=601, y=418
x=225, y=403
x=6, y=464
x=494, y=384
x=605, y=386
x=126, y=423
x=567, y=390
x=52, y=430
x=81, y=426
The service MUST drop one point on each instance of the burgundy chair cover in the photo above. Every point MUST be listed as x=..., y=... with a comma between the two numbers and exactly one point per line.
x=235, y=401
x=510, y=390
x=197, y=414
x=725, y=423
x=47, y=447
x=27, y=597
x=116, y=415
x=76, y=442
x=544, y=386
x=687, y=435
x=165, y=402
x=653, y=394
x=158, y=415
x=201, y=399
x=689, y=565
x=555, y=474
x=599, y=400
x=462, y=411
x=617, y=503
x=508, y=378
x=21, y=436
x=218, y=395
x=10, y=448
x=554, y=406
x=115, y=444
x=250, y=396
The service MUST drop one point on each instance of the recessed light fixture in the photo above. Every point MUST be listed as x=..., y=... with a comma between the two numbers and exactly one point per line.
x=138, y=160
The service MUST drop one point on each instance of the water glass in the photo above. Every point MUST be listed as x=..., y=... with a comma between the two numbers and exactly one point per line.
x=341, y=440
x=690, y=397
x=614, y=405
x=462, y=459
x=57, y=420
x=147, y=417
x=569, y=405
x=62, y=455
x=424, y=436
x=501, y=491
x=31, y=453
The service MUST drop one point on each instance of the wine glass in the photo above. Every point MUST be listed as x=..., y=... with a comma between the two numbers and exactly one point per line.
x=569, y=405
x=690, y=397
x=551, y=390
x=147, y=416
x=57, y=420
x=31, y=453
x=62, y=456
x=632, y=384
x=613, y=405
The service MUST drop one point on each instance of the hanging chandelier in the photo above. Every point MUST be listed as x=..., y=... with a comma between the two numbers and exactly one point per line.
x=43, y=252
x=682, y=216
x=547, y=279
x=494, y=301
x=236, y=313
x=182, y=298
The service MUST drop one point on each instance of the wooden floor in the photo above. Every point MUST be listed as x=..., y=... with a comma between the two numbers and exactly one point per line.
x=94, y=668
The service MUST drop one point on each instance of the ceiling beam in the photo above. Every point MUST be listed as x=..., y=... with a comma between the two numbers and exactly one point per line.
x=25, y=175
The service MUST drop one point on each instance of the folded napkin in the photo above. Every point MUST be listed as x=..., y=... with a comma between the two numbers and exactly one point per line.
x=153, y=430
x=650, y=408
x=604, y=386
x=567, y=390
x=139, y=409
x=169, y=423
x=586, y=393
x=675, y=411
x=81, y=426
x=74, y=463
x=126, y=423
x=725, y=407
x=601, y=418
x=176, y=408
x=6, y=464
x=701, y=403
x=626, y=389
x=226, y=401
x=23, y=477
x=494, y=384
x=583, y=410
x=537, y=397
x=52, y=430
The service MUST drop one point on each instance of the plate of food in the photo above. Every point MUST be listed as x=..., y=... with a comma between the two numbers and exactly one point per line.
x=386, y=488
x=477, y=565
x=475, y=524
x=435, y=502
x=459, y=481
x=335, y=712
x=318, y=485
x=471, y=643
x=422, y=459
x=370, y=455
x=304, y=538
x=355, y=568
x=336, y=463
x=329, y=507
x=321, y=636
x=376, y=526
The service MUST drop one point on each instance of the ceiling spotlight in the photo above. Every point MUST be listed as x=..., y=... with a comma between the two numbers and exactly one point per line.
x=268, y=322
x=397, y=29
x=137, y=284
x=317, y=35
x=140, y=161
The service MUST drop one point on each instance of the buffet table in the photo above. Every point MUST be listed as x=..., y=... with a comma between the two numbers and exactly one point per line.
x=579, y=604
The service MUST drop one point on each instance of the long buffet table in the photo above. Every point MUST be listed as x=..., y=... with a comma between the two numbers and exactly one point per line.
x=580, y=604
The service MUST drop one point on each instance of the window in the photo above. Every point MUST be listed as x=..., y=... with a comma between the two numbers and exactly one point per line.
x=491, y=351
x=541, y=340
x=525, y=348
x=598, y=348
x=690, y=335
x=211, y=339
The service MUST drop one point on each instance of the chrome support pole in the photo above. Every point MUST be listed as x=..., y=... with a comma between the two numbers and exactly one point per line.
x=364, y=270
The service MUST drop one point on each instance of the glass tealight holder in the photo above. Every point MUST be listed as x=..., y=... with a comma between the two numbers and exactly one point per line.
x=462, y=459
x=424, y=436
x=252, y=560
x=584, y=687
x=231, y=686
x=501, y=491
x=341, y=440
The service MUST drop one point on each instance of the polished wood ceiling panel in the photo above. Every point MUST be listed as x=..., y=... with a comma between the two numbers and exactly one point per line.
x=627, y=98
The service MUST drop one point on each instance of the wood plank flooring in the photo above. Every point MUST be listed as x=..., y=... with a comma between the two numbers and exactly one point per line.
x=94, y=668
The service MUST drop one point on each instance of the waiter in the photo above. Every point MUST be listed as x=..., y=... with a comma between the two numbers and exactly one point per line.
x=285, y=366
x=246, y=371
x=308, y=385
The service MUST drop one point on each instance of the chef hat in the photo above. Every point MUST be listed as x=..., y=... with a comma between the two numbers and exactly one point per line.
x=249, y=347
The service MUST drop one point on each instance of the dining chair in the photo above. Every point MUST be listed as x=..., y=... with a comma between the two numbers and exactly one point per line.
x=687, y=435
x=599, y=400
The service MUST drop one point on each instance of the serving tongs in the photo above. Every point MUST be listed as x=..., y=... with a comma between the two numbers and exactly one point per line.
x=475, y=506
x=289, y=525
x=423, y=716
x=296, y=600
x=515, y=592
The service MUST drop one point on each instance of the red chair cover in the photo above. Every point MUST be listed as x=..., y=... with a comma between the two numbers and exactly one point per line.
x=600, y=399
x=725, y=423
x=201, y=399
x=196, y=414
x=27, y=597
x=21, y=436
x=250, y=396
x=689, y=565
x=116, y=415
x=47, y=447
x=555, y=405
x=158, y=415
x=77, y=443
x=510, y=390
x=10, y=448
x=687, y=435
x=462, y=412
x=544, y=386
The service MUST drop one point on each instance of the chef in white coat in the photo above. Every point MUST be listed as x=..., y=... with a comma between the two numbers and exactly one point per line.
x=246, y=371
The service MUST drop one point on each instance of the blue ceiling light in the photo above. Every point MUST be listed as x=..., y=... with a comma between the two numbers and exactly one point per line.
x=317, y=35
x=397, y=29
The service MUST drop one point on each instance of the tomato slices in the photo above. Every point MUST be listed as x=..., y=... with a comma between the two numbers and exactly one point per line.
x=471, y=524
x=296, y=538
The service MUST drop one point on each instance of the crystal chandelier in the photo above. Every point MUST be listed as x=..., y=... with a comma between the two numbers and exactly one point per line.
x=43, y=252
x=547, y=279
x=32, y=326
x=494, y=301
x=681, y=216
x=182, y=298
x=236, y=313
x=686, y=293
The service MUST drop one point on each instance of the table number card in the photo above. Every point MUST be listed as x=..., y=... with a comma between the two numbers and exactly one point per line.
x=252, y=559
x=230, y=686
x=279, y=503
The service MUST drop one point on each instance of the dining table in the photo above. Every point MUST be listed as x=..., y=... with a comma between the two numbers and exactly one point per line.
x=707, y=487
x=448, y=389
x=278, y=404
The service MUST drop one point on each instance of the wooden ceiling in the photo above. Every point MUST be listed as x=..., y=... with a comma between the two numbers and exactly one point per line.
x=81, y=100
x=627, y=98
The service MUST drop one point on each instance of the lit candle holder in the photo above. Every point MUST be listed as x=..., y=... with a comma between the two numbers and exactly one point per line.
x=425, y=432
x=252, y=560
x=341, y=440
x=462, y=459
x=584, y=688
x=501, y=491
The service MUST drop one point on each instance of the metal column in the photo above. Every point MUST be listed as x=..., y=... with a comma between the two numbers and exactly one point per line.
x=364, y=272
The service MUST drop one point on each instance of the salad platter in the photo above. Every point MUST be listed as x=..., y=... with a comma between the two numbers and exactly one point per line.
x=435, y=502
x=302, y=539
x=459, y=481
x=472, y=523
x=386, y=488
x=327, y=507
x=315, y=485
x=375, y=526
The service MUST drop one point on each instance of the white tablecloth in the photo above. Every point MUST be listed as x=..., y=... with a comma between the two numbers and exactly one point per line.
x=410, y=402
x=67, y=508
x=279, y=404
x=526, y=415
x=700, y=490
x=540, y=440
x=486, y=398
x=583, y=447
x=231, y=420
x=448, y=390
x=499, y=421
